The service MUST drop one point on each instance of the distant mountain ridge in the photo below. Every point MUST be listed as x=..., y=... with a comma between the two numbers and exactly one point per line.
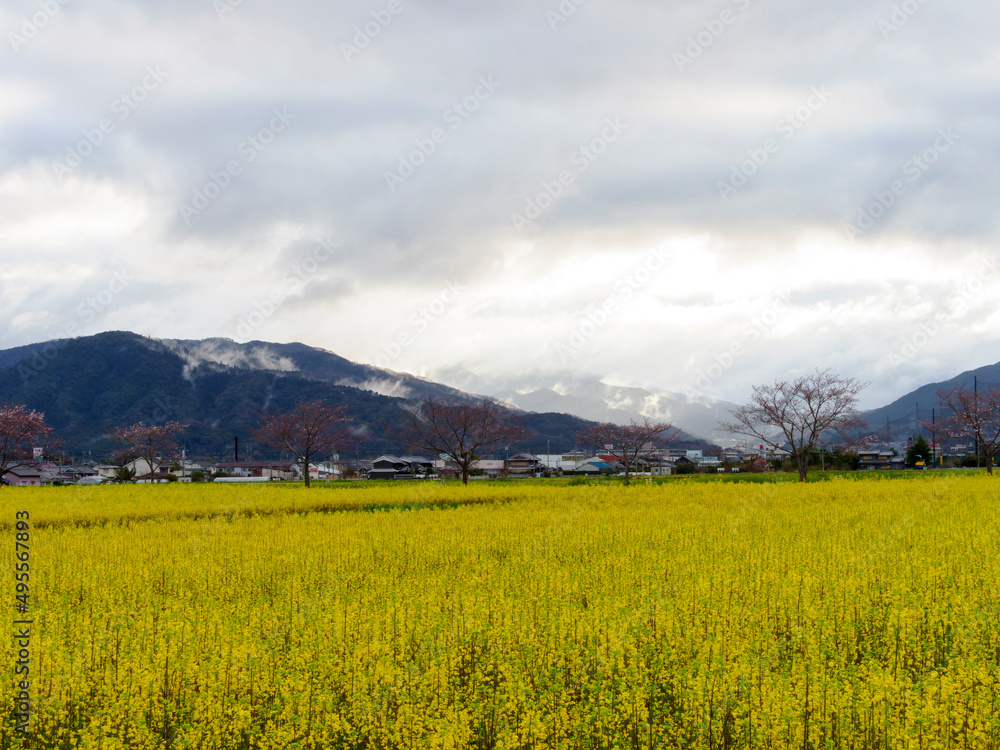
x=903, y=413
x=30, y=352
x=308, y=362
x=87, y=385
x=592, y=398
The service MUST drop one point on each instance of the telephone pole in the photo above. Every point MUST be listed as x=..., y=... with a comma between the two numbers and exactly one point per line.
x=933, y=436
x=975, y=408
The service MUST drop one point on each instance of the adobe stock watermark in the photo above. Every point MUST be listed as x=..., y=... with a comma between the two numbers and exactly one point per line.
x=900, y=16
x=597, y=315
x=298, y=276
x=224, y=7
x=249, y=149
x=419, y=321
x=581, y=159
x=925, y=332
x=164, y=408
x=713, y=29
x=87, y=311
x=917, y=507
x=913, y=171
x=122, y=106
x=786, y=126
x=563, y=12
x=751, y=332
x=32, y=25
x=371, y=30
x=100, y=302
x=455, y=116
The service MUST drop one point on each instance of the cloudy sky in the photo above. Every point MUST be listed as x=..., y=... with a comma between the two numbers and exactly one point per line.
x=695, y=196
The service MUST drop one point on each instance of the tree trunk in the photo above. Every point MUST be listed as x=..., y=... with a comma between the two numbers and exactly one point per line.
x=465, y=475
x=803, y=463
x=626, y=475
x=305, y=471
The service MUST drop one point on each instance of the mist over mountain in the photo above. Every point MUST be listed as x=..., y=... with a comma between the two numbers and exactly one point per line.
x=593, y=398
x=307, y=362
x=88, y=385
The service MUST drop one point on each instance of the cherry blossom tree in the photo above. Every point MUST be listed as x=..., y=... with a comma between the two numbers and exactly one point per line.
x=21, y=429
x=629, y=443
x=149, y=442
x=311, y=431
x=973, y=413
x=799, y=413
x=465, y=432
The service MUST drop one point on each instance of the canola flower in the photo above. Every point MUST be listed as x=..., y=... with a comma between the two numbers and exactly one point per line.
x=676, y=615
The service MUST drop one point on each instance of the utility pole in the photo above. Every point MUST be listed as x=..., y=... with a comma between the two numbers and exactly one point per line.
x=975, y=409
x=933, y=436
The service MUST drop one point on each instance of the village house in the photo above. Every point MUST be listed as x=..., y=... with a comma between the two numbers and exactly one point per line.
x=22, y=476
x=880, y=460
x=660, y=466
x=486, y=467
x=596, y=466
x=106, y=471
x=262, y=469
x=524, y=465
x=401, y=467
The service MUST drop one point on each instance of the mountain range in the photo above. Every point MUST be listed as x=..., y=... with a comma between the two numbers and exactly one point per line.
x=595, y=399
x=899, y=419
x=86, y=386
x=598, y=400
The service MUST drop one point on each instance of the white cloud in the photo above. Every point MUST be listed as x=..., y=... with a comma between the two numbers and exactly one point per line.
x=525, y=292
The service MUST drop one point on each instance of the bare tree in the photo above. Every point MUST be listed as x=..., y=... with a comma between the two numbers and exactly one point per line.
x=975, y=414
x=462, y=431
x=311, y=431
x=798, y=413
x=628, y=444
x=148, y=442
x=20, y=431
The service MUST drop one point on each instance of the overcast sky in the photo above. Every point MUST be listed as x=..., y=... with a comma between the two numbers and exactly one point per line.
x=696, y=196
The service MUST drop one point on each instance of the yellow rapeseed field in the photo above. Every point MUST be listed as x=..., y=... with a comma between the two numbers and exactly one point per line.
x=841, y=614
